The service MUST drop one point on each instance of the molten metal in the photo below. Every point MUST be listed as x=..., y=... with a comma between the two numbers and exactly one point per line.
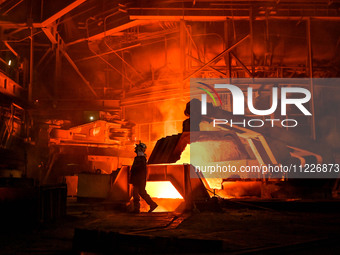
x=162, y=189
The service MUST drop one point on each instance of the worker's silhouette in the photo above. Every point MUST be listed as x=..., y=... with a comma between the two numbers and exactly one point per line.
x=138, y=179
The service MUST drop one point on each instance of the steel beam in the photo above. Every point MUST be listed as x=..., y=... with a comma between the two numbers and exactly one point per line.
x=178, y=18
x=109, y=52
x=242, y=65
x=44, y=57
x=56, y=39
x=49, y=33
x=69, y=59
x=212, y=68
x=12, y=7
x=3, y=61
x=223, y=18
x=12, y=25
x=105, y=61
x=30, y=85
x=123, y=60
x=182, y=49
x=11, y=49
x=251, y=32
x=226, y=45
x=217, y=57
x=62, y=12
x=58, y=66
x=112, y=31
x=193, y=42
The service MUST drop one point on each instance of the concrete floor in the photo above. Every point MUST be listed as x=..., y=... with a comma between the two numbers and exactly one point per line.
x=240, y=227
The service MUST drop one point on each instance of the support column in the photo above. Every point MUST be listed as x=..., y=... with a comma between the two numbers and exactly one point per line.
x=227, y=43
x=58, y=62
x=251, y=32
x=30, y=85
x=311, y=88
x=182, y=45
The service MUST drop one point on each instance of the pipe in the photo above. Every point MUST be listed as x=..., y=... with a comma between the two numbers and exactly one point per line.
x=310, y=58
x=30, y=85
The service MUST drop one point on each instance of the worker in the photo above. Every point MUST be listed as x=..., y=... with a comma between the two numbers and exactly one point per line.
x=195, y=117
x=138, y=179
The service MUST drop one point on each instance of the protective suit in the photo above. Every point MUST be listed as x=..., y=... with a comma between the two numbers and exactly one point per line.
x=138, y=179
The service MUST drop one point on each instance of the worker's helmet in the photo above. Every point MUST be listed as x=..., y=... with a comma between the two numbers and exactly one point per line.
x=194, y=104
x=140, y=147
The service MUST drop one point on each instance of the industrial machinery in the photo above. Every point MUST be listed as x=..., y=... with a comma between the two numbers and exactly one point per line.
x=106, y=146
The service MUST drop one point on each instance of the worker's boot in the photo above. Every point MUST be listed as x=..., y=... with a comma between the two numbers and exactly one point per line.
x=136, y=211
x=153, y=206
x=136, y=207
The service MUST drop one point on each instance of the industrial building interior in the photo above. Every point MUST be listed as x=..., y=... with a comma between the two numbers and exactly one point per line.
x=83, y=81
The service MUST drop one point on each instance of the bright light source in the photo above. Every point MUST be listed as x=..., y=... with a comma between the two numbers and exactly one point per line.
x=162, y=189
x=9, y=62
x=91, y=118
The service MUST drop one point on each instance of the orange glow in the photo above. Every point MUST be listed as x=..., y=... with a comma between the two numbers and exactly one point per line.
x=165, y=195
x=214, y=183
x=94, y=131
x=162, y=189
x=209, y=151
x=164, y=205
x=185, y=156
